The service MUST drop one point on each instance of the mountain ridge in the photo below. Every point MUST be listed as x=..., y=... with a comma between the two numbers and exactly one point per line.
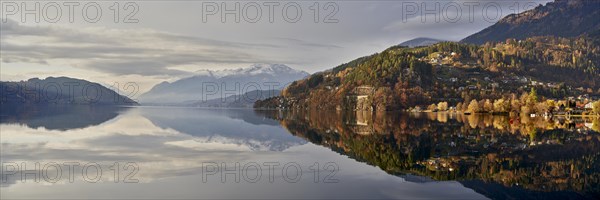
x=560, y=18
x=60, y=90
x=420, y=41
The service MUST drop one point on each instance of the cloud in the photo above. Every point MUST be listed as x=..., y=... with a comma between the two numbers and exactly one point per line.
x=455, y=18
x=122, y=51
x=304, y=43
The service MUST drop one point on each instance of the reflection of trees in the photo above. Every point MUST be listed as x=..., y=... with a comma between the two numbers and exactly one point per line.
x=536, y=154
x=596, y=125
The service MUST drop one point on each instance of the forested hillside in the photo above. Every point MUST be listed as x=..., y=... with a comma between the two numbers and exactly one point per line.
x=401, y=77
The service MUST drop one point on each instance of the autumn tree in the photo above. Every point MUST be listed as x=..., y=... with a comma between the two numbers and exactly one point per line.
x=459, y=106
x=473, y=106
x=432, y=107
x=551, y=104
x=541, y=107
x=488, y=106
x=596, y=107
x=515, y=105
x=442, y=106
x=501, y=106
x=533, y=98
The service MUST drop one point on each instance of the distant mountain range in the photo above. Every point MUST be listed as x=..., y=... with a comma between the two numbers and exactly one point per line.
x=209, y=85
x=563, y=18
x=421, y=41
x=245, y=100
x=60, y=90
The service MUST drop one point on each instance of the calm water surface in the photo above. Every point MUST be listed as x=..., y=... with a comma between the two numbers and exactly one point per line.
x=194, y=153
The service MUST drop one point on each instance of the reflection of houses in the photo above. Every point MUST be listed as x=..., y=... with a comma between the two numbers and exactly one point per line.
x=363, y=118
x=552, y=85
x=361, y=123
x=435, y=61
x=439, y=164
x=589, y=125
x=564, y=104
x=362, y=130
x=573, y=106
x=574, y=123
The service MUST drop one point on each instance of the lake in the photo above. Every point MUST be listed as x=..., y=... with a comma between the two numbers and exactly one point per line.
x=63, y=152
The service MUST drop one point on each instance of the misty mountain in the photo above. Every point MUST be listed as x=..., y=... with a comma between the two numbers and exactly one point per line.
x=562, y=18
x=245, y=100
x=421, y=41
x=60, y=90
x=209, y=85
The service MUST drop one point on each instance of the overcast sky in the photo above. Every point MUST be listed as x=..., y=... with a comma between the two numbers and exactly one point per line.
x=169, y=40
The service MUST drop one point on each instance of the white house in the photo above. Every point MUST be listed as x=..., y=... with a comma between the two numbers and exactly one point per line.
x=589, y=106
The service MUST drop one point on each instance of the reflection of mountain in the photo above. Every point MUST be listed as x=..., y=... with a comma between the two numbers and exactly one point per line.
x=499, y=191
x=532, y=154
x=255, y=132
x=245, y=100
x=58, y=117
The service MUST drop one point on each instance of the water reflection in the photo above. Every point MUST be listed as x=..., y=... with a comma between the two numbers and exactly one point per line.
x=58, y=117
x=170, y=146
x=241, y=127
x=498, y=156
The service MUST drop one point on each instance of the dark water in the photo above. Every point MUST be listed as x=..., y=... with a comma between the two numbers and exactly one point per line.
x=190, y=153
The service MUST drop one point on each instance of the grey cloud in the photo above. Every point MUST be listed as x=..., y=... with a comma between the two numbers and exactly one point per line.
x=467, y=22
x=123, y=52
x=306, y=43
x=146, y=68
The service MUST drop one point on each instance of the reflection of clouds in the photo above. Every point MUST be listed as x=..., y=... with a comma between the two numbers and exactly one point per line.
x=161, y=152
x=242, y=127
x=203, y=146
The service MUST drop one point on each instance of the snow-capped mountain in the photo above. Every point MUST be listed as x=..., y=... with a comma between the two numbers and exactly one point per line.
x=273, y=69
x=215, y=84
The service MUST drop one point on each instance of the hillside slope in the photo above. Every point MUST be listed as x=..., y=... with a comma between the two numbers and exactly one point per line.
x=562, y=18
x=400, y=77
x=421, y=41
x=60, y=90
